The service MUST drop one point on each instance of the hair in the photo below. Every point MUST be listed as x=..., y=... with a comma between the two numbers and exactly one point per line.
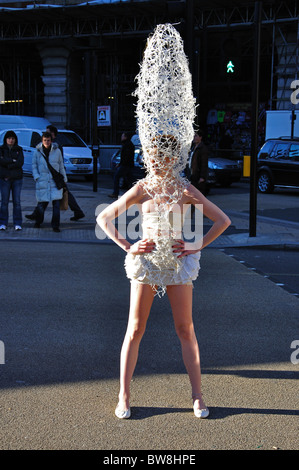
x=53, y=129
x=47, y=135
x=10, y=134
x=127, y=134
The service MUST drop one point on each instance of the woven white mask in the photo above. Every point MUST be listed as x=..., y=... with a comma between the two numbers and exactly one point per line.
x=165, y=113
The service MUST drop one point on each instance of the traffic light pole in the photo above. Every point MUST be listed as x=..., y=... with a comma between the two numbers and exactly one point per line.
x=254, y=125
x=94, y=124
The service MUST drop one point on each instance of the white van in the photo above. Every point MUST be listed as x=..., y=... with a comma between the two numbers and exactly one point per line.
x=9, y=121
x=76, y=154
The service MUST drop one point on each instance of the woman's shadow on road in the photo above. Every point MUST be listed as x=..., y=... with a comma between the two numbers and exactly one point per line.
x=143, y=412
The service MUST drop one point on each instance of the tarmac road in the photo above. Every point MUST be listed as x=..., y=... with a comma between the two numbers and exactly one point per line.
x=63, y=317
x=281, y=266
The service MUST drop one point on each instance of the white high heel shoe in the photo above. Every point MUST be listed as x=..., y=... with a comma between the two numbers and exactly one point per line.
x=201, y=412
x=121, y=413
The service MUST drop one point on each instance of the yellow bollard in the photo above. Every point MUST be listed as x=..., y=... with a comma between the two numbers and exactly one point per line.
x=246, y=165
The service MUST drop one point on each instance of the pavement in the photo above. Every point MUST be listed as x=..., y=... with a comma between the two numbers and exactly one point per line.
x=63, y=318
x=269, y=231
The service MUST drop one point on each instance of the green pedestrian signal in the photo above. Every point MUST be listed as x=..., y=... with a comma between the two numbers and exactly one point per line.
x=230, y=67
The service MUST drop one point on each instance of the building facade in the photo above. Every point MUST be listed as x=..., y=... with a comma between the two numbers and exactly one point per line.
x=62, y=59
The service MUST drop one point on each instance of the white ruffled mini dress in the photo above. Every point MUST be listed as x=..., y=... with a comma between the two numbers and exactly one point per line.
x=162, y=267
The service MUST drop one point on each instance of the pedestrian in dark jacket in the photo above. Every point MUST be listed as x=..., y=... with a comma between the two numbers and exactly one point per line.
x=11, y=178
x=126, y=164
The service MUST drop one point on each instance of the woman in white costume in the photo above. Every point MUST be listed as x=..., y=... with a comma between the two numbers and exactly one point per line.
x=162, y=261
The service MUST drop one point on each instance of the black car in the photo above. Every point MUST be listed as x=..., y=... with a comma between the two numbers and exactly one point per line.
x=278, y=164
x=221, y=171
x=226, y=171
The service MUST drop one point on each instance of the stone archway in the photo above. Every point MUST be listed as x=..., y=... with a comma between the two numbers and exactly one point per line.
x=55, y=79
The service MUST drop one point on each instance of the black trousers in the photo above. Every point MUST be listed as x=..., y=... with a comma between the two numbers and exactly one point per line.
x=73, y=205
x=40, y=212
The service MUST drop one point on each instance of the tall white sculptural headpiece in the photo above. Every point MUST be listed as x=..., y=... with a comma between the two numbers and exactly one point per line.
x=165, y=112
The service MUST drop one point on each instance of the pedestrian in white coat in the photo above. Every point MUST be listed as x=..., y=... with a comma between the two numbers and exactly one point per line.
x=46, y=189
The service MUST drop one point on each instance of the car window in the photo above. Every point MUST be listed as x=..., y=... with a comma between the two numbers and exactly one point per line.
x=2, y=134
x=35, y=139
x=280, y=151
x=294, y=152
x=24, y=137
x=69, y=139
x=265, y=150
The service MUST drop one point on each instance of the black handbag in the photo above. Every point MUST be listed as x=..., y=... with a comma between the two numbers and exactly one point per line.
x=57, y=177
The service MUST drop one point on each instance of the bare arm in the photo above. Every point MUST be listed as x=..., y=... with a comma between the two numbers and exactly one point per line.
x=106, y=217
x=220, y=222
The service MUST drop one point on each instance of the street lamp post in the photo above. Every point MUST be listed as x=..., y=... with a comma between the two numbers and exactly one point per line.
x=254, y=125
x=94, y=123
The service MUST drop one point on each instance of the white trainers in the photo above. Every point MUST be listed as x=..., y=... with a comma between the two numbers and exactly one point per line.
x=18, y=227
x=200, y=412
x=122, y=414
x=2, y=227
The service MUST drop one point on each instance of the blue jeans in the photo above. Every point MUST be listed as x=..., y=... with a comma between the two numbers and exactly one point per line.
x=15, y=187
x=40, y=212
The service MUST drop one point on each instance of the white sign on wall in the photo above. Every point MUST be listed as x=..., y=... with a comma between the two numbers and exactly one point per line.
x=104, y=116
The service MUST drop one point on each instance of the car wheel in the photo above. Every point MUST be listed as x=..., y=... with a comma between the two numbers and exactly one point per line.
x=264, y=183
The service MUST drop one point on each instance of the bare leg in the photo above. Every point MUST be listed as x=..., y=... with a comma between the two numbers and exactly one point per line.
x=180, y=298
x=142, y=296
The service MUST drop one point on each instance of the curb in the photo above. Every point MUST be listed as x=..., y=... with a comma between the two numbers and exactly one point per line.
x=270, y=245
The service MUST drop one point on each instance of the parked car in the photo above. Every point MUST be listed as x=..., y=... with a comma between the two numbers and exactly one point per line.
x=13, y=121
x=226, y=171
x=278, y=164
x=211, y=181
x=76, y=154
x=221, y=170
x=138, y=172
